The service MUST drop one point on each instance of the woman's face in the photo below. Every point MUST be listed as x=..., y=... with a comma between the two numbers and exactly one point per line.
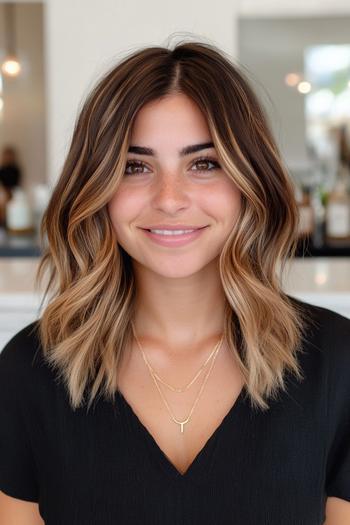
x=170, y=188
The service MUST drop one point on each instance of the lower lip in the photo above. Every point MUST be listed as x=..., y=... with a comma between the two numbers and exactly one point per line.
x=174, y=240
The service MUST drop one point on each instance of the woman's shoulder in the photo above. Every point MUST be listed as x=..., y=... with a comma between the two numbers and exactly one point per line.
x=328, y=334
x=20, y=354
x=22, y=344
x=324, y=326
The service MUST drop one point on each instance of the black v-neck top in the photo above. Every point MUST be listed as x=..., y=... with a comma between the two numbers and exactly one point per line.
x=103, y=467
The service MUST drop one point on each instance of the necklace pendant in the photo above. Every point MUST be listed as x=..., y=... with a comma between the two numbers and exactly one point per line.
x=182, y=423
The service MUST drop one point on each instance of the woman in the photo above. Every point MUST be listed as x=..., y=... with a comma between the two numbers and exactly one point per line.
x=212, y=396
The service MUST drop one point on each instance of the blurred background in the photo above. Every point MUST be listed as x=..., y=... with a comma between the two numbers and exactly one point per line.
x=296, y=56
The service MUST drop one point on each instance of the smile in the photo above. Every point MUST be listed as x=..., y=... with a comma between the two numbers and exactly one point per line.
x=174, y=238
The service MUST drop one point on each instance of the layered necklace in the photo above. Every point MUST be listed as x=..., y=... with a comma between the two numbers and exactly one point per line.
x=156, y=378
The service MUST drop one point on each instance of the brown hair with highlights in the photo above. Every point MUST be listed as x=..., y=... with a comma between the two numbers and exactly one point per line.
x=86, y=324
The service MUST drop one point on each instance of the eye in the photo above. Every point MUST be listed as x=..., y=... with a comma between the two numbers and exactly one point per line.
x=137, y=166
x=205, y=161
x=134, y=164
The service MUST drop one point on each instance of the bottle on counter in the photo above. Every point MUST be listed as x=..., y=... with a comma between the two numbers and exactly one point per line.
x=338, y=210
x=4, y=198
x=40, y=194
x=18, y=213
x=306, y=212
x=318, y=201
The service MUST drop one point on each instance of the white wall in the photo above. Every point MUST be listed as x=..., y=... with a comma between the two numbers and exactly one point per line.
x=271, y=48
x=293, y=7
x=86, y=37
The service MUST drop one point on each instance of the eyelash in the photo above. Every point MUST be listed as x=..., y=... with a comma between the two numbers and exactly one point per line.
x=139, y=163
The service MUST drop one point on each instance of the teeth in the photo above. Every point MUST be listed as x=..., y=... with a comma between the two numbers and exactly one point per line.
x=171, y=232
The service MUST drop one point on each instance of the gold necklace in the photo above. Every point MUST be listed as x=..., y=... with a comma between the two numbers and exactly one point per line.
x=174, y=389
x=182, y=423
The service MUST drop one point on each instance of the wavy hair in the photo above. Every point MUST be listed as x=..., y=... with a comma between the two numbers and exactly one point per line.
x=86, y=325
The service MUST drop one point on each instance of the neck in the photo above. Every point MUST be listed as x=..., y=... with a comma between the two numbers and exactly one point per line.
x=180, y=315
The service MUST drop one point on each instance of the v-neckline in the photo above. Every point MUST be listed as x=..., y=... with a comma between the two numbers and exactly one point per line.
x=160, y=455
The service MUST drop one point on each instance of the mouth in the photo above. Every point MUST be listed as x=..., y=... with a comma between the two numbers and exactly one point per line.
x=174, y=239
x=175, y=229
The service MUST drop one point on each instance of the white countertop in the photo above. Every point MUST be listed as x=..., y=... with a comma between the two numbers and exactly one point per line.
x=17, y=277
x=319, y=280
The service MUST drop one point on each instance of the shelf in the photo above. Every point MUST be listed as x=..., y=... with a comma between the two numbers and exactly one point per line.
x=19, y=245
x=306, y=248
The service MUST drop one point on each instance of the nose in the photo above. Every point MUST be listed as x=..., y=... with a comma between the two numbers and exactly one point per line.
x=170, y=193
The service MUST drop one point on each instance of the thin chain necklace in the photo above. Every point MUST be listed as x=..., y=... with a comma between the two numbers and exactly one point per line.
x=174, y=389
x=182, y=423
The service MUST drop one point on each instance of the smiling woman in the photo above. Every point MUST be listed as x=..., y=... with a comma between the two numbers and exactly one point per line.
x=173, y=189
x=170, y=379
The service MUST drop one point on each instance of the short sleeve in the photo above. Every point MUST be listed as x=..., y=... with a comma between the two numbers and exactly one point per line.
x=338, y=483
x=338, y=460
x=18, y=476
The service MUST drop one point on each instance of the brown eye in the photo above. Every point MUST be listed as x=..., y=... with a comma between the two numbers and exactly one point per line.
x=203, y=164
x=137, y=167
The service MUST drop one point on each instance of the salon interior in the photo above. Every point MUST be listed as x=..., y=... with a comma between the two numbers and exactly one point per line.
x=297, y=56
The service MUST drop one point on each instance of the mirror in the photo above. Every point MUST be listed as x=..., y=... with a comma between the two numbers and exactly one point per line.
x=301, y=72
x=22, y=94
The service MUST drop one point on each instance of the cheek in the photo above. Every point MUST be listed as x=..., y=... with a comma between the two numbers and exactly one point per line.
x=232, y=201
x=235, y=203
x=113, y=208
x=123, y=208
x=225, y=204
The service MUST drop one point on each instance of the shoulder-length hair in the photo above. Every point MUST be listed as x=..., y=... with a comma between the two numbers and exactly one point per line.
x=86, y=325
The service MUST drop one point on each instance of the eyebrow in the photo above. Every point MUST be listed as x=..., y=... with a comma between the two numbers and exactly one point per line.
x=187, y=150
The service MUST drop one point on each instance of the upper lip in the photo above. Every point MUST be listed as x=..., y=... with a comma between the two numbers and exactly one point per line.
x=173, y=227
